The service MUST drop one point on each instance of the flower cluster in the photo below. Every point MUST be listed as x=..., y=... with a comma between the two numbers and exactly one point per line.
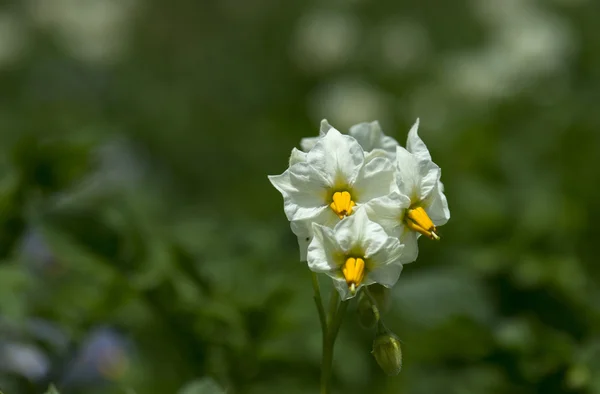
x=359, y=202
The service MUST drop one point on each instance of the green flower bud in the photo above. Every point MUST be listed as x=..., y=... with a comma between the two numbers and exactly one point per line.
x=387, y=352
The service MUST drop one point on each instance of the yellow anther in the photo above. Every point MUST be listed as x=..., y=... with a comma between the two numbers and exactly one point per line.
x=418, y=220
x=354, y=272
x=342, y=204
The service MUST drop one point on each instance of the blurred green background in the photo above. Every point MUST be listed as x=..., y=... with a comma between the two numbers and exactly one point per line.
x=143, y=250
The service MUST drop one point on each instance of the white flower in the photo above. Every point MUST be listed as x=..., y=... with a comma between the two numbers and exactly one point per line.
x=423, y=206
x=368, y=135
x=356, y=252
x=329, y=183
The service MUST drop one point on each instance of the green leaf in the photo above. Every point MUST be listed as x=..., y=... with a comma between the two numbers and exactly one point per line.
x=202, y=386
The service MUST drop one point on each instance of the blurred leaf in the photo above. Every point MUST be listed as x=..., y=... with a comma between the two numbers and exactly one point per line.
x=202, y=386
x=51, y=166
x=470, y=380
x=429, y=297
x=12, y=221
x=14, y=283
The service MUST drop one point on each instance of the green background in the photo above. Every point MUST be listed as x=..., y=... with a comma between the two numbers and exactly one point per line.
x=135, y=142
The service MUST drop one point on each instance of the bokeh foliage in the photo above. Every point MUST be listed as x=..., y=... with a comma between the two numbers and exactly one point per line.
x=135, y=213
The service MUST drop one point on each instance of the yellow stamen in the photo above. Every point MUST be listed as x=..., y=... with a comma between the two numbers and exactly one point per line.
x=354, y=272
x=418, y=220
x=342, y=204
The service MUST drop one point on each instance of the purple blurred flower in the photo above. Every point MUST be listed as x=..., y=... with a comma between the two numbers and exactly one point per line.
x=103, y=357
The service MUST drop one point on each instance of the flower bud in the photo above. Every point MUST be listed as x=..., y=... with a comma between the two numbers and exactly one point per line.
x=387, y=352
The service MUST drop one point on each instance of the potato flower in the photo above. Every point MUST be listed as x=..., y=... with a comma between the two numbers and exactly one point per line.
x=423, y=206
x=356, y=252
x=330, y=182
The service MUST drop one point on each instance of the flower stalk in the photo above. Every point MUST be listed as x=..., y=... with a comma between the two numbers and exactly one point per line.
x=336, y=316
x=319, y=303
x=374, y=306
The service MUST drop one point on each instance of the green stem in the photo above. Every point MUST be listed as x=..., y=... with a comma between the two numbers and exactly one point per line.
x=326, y=365
x=337, y=321
x=334, y=300
x=373, y=303
x=319, y=304
x=336, y=318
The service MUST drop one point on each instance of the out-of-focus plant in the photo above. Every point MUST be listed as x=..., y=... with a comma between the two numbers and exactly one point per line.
x=149, y=129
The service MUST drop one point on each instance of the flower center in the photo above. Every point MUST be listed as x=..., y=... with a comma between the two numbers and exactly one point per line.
x=418, y=220
x=342, y=204
x=354, y=272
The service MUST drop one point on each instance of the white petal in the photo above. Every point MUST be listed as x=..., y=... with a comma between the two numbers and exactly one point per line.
x=324, y=128
x=342, y=287
x=407, y=174
x=415, y=145
x=386, y=275
x=303, y=228
x=370, y=137
x=411, y=246
x=297, y=156
x=437, y=206
x=282, y=183
x=337, y=157
x=303, y=176
x=377, y=153
x=301, y=192
x=358, y=232
x=303, y=243
x=388, y=211
x=375, y=179
x=390, y=252
x=350, y=231
x=376, y=240
x=388, y=144
x=308, y=143
x=323, y=250
x=430, y=175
